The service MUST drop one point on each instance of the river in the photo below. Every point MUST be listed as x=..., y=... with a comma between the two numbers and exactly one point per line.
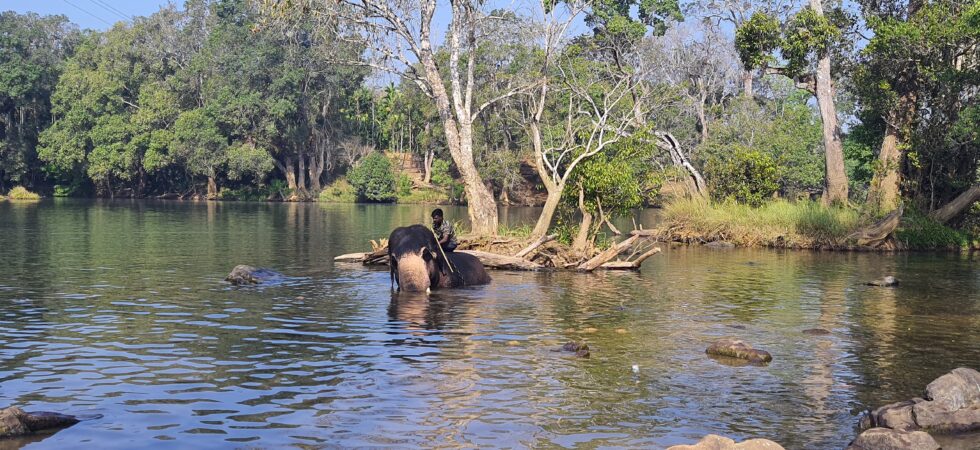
x=116, y=310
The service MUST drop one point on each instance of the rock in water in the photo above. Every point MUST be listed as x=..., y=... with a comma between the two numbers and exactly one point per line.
x=888, y=281
x=715, y=442
x=16, y=422
x=735, y=348
x=581, y=349
x=816, y=332
x=243, y=274
x=951, y=405
x=887, y=439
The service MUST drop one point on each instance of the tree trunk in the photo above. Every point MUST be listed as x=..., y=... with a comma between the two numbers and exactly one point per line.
x=427, y=165
x=703, y=121
x=212, y=188
x=747, y=83
x=316, y=171
x=481, y=206
x=835, y=175
x=883, y=195
x=301, y=181
x=959, y=204
x=289, y=170
x=581, y=243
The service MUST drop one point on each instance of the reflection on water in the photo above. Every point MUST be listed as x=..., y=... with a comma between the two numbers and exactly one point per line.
x=118, y=309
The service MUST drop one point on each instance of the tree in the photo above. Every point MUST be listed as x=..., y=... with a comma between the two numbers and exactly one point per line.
x=393, y=30
x=918, y=70
x=807, y=33
x=33, y=50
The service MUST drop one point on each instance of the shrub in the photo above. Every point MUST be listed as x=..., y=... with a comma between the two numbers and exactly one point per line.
x=405, y=185
x=440, y=173
x=21, y=193
x=373, y=179
x=743, y=176
x=340, y=191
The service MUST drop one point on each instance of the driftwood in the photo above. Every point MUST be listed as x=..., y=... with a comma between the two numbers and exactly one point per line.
x=630, y=265
x=878, y=233
x=606, y=255
x=530, y=248
x=502, y=262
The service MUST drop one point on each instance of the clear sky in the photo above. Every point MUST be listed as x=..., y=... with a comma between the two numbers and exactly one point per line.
x=95, y=14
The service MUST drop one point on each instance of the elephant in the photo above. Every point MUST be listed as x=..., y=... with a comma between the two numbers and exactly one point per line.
x=417, y=264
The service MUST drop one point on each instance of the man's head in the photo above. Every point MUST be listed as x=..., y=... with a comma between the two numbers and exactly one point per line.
x=437, y=217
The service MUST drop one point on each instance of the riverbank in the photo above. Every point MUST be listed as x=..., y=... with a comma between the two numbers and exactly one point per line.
x=798, y=225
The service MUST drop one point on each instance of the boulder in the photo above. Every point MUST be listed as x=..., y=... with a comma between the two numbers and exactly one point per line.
x=17, y=422
x=888, y=281
x=951, y=405
x=243, y=274
x=735, y=348
x=888, y=439
x=715, y=442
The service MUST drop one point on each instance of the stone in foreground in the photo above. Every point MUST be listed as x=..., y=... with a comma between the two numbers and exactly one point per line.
x=243, y=274
x=17, y=422
x=951, y=405
x=888, y=281
x=735, y=348
x=888, y=439
x=715, y=442
x=581, y=349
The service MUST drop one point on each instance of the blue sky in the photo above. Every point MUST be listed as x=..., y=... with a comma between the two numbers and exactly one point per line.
x=95, y=14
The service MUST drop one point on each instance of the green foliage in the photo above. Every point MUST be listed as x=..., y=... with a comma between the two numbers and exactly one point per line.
x=919, y=231
x=32, y=54
x=20, y=193
x=440, y=173
x=756, y=39
x=428, y=196
x=340, y=191
x=743, y=176
x=373, y=179
x=404, y=185
x=806, y=33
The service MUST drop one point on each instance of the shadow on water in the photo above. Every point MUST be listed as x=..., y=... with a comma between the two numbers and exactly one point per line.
x=118, y=308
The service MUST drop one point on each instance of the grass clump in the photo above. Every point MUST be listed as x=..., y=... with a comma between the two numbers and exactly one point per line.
x=21, y=193
x=340, y=191
x=423, y=195
x=777, y=223
x=919, y=231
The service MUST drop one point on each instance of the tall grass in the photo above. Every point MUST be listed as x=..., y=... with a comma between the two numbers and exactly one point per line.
x=21, y=193
x=778, y=223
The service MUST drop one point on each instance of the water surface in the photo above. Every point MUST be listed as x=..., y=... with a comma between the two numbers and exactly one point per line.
x=118, y=309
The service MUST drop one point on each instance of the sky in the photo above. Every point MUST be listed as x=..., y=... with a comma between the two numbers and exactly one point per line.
x=95, y=14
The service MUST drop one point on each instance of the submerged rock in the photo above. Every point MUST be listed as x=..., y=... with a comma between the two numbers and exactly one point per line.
x=719, y=245
x=243, y=274
x=816, y=332
x=735, y=348
x=951, y=405
x=888, y=281
x=580, y=349
x=715, y=442
x=888, y=439
x=17, y=422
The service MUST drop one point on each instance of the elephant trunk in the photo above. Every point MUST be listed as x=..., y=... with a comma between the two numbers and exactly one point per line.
x=413, y=273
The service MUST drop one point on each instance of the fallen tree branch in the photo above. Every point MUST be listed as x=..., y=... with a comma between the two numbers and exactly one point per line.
x=608, y=254
x=956, y=206
x=530, y=248
x=877, y=234
x=630, y=265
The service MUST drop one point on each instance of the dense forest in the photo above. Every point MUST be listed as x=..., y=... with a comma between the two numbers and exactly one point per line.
x=593, y=107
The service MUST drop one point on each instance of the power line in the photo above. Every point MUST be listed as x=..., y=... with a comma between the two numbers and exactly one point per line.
x=112, y=9
x=86, y=12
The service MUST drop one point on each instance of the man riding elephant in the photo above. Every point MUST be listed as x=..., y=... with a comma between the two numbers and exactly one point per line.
x=418, y=263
